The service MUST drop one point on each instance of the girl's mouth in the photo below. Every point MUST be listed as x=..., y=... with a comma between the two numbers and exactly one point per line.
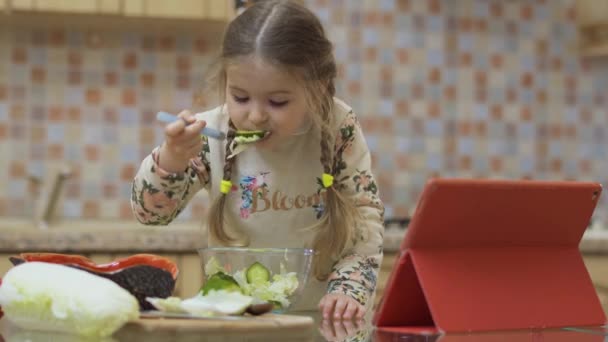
x=250, y=137
x=244, y=139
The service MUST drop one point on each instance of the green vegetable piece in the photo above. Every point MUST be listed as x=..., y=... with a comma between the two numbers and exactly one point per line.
x=257, y=274
x=247, y=137
x=250, y=133
x=276, y=305
x=220, y=281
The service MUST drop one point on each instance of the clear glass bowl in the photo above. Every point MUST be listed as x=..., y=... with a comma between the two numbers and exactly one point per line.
x=233, y=259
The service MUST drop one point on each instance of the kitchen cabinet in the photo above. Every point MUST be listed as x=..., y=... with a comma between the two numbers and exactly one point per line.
x=66, y=6
x=109, y=6
x=178, y=9
x=20, y=4
x=134, y=8
x=191, y=9
x=385, y=269
x=592, y=23
x=182, y=9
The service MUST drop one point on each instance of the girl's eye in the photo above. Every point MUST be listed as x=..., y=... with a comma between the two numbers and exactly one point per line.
x=240, y=99
x=278, y=103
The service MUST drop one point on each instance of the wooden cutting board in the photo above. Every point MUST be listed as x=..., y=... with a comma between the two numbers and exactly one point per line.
x=249, y=324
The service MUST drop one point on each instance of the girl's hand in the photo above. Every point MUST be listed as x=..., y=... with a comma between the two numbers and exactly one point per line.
x=182, y=142
x=340, y=330
x=340, y=306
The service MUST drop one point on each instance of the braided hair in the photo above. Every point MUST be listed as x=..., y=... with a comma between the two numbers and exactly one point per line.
x=216, y=222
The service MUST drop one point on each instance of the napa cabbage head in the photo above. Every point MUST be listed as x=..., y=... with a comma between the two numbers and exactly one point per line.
x=52, y=297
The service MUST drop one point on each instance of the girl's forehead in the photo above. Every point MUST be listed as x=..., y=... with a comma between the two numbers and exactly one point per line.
x=259, y=73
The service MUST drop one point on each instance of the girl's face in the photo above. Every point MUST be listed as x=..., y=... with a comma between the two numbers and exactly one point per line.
x=260, y=96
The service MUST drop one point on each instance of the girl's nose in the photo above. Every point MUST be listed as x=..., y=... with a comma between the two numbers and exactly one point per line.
x=257, y=115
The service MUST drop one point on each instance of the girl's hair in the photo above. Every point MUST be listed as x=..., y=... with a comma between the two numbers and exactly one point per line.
x=292, y=38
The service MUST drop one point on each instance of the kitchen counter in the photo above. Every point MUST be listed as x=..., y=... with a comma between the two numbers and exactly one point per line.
x=87, y=236
x=99, y=236
x=317, y=330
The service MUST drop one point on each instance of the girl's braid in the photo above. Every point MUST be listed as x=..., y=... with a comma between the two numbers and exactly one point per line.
x=229, y=162
x=325, y=152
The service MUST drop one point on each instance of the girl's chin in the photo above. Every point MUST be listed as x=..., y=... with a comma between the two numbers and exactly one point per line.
x=271, y=142
x=266, y=143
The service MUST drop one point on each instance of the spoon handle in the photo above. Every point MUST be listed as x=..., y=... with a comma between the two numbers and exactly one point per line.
x=208, y=131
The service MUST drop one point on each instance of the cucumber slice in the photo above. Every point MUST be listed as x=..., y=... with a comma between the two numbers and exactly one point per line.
x=220, y=281
x=257, y=274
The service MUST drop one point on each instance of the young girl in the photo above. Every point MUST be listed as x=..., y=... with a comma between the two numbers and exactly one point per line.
x=306, y=184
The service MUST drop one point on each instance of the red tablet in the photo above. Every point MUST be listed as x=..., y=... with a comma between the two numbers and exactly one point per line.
x=484, y=255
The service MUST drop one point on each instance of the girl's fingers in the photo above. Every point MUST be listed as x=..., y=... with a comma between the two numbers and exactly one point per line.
x=351, y=310
x=328, y=306
x=339, y=308
x=322, y=303
x=187, y=138
x=186, y=116
x=188, y=133
x=327, y=330
x=193, y=142
x=195, y=127
x=175, y=128
x=360, y=312
x=194, y=150
x=340, y=331
x=188, y=123
x=349, y=327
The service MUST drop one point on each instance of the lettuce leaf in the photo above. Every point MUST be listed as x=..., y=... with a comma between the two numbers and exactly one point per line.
x=213, y=266
x=214, y=303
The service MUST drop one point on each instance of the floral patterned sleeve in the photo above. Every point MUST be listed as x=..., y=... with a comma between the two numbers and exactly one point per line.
x=158, y=196
x=356, y=273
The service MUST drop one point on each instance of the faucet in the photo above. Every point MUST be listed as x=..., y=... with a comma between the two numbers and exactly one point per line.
x=49, y=198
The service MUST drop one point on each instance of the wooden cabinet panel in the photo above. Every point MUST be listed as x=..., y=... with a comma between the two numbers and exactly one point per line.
x=591, y=11
x=191, y=9
x=182, y=9
x=191, y=273
x=109, y=6
x=134, y=8
x=178, y=9
x=385, y=269
x=67, y=6
x=592, y=21
x=218, y=9
x=101, y=258
x=5, y=264
x=22, y=4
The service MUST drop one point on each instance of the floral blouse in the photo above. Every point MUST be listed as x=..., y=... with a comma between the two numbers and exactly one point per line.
x=277, y=193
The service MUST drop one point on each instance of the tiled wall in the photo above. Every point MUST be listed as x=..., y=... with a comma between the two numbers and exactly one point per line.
x=89, y=98
x=468, y=88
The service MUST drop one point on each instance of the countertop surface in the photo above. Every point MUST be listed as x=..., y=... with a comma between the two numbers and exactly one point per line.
x=100, y=236
x=18, y=235
x=314, y=330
